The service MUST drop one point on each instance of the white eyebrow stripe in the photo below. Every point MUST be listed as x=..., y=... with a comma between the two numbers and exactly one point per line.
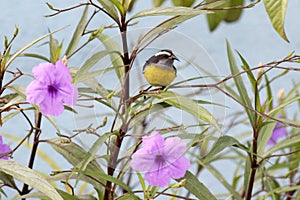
x=163, y=53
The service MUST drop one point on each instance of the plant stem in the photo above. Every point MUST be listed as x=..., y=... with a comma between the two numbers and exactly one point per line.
x=109, y=191
x=37, y=133
x=254, y=163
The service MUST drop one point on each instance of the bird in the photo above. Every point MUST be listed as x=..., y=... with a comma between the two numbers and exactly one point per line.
x=159, y=69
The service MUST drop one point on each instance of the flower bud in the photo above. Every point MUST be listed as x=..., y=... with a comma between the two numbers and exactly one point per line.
x=281, y=95
x=64, y=60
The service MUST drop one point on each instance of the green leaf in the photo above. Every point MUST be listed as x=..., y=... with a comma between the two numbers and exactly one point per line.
x=251, y=77
x=186, y=3
x=267, y=130
x=73, y=153
x=89, y=63
x=147, y=109
x=194, y=186
x=271, y=184
x=13, y=101
x=244, y=98
x=115, y=53
x=161, y=29
x=32, y=55
x=119, y=6
x=280, y=190
x=104, y=177
x=68, y=176
x=283, y=144
x=30, y=177
x=215, y=18
x=179, y=10
x=188, y=105
x=55, y=49
x=126, y=197
x=234, y=14
x=276, y=10
x=128, y=4
x=90, y=155
x=158, y=3
x=7, y=180
x=110, y=8
x=218, y=175
x=247, y=171
x=39, y=195
x=78, y=33
x=20, y=51
x=219, y=145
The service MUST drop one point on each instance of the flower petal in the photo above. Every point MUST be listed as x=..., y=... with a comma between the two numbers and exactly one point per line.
x=4, y=148
x=52, y=105
x=45, y=73
x=63, y=73
x=179, y=167
x=160, y=177
x=143, y=161
x=154, y=142
x=278, y=132
x=174, y=148
x=52, y=88
x=69, y=93
x=36, y=92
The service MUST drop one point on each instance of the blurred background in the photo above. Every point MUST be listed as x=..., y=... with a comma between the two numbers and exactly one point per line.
x=197, y=48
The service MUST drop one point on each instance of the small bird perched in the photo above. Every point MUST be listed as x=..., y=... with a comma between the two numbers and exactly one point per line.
x=159, y=69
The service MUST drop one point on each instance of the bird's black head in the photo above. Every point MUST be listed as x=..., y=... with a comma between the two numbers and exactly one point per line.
x=166, y=54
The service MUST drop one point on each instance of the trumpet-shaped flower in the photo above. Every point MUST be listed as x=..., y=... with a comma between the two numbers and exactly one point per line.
x=52, y=88
x=161, y=159
x=4, y=148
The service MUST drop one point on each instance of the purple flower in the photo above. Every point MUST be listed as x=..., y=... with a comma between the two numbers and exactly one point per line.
x=161, y=159
x=51, y=88
x=278, y=132
x=4, y=148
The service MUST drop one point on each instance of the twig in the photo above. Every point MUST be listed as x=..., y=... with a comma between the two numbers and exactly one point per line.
x=37, y=133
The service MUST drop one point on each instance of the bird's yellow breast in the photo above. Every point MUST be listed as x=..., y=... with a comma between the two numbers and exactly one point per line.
x=158, y=76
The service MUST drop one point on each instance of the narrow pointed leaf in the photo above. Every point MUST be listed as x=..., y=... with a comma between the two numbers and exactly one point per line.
x=127, y=4
x=110, y=8
x=276, y=10
x=119, y=6
x=89, y=63
x=103, y=176
x=179, y=10
x=267, y=130
x=219, y=176
x=115, y=53
x=244, y=97
x=194, y=186
x=20, y=51
x=219, y=145
x=55, y=49
x=162, y=28
x=73, y=153
x=158, y=3
x=188, y=105
x=90, y=156
x=283, y=144
x=30, y=177
x=186, y=3
x=217, y=16
x=78, y=33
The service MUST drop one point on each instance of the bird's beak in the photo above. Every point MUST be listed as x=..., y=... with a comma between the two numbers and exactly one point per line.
x=175, y=58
